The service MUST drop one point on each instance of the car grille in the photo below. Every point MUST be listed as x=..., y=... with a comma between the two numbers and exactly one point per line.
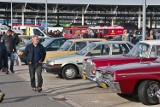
x=108, y=76
x=88, y=69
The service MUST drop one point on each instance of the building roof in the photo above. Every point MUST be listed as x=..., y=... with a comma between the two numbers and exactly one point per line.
x=91, y=2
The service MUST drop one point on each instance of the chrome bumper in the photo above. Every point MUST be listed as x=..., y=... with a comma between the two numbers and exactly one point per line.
x=89, y=77
x=114, y=86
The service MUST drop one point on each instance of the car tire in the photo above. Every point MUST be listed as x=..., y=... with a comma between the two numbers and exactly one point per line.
x=147, y=92
x=69, y=72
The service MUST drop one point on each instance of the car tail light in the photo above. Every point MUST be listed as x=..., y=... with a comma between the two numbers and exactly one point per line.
x=93, y=70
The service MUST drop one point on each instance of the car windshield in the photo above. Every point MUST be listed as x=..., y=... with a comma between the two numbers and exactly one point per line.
x=140, y=50
x=66, y=46
x=86, y=49
x=47, y=42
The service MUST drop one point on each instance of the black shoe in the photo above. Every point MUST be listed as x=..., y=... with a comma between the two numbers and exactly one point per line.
x=1, y=96
x=39, y=89
x=34, y=89
x=12, y=71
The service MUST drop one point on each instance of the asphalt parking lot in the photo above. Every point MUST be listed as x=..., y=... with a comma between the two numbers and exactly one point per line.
x=79, y=93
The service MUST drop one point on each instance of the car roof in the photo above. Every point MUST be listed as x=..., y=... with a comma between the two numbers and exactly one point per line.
x=113, y=42
x=89, y=39
x=151, y=42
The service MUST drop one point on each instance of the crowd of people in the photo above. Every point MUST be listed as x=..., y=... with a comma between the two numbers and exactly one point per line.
x=34, y=55
x=55, y=33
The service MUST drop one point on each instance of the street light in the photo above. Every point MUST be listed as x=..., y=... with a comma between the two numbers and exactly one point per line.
x=36, y=20
x=144, y=20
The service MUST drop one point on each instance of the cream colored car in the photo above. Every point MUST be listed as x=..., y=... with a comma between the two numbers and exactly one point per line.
x=70, y=47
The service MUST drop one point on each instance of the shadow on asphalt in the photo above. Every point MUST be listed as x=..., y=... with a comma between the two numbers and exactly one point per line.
x=11, y=82
x=21, y=99
x=133, y=98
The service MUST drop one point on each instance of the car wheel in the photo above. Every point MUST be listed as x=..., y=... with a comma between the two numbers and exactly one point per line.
x=69, y=72
x=147, y=92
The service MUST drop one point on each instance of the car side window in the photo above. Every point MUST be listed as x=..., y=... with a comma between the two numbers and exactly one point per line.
x=37, y=32
x=62, y=41
x=116, y=49
x=55, y=45
x=105, y=50
x=96, y=51
x=78, y=46
x=124, y=48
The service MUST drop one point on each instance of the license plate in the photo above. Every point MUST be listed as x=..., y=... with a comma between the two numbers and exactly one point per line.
x=84, y=77
x=104, y=85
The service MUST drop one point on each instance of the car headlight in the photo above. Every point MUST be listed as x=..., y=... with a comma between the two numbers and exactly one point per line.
x=108, y=76
x=93, y=69
x=98, y=74
x=89, y=61
x=51, y=63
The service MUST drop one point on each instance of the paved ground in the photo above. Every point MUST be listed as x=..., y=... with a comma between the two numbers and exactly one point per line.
x=59, y=93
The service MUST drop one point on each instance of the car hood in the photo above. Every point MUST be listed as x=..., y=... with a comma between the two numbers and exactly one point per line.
x=131, y=67
x=114, y=60
x=114, y=57
x=52, y=54
x=21, y=49
x=68, y=58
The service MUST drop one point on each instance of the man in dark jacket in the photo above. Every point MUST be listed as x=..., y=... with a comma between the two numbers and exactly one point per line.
x=9, y=42
x=35, y=55
x=3, y=63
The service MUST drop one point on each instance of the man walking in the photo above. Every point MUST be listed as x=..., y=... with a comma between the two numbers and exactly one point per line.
x=3, y=63
x=35, y=55
x=9, y=42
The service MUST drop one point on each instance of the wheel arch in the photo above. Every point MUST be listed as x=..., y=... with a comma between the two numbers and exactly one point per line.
x=64, y=65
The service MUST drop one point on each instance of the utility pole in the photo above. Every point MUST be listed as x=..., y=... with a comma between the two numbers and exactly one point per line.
x=11, y=15
x=46, y=10
x=144, y=20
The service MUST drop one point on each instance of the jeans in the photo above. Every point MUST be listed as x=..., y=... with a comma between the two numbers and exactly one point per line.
x=11, y=56
x=33, y=69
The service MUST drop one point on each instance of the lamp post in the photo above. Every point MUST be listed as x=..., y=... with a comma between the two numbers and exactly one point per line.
x=36, y=20
x=46, y=10
x=11, y=16
x=144, y=20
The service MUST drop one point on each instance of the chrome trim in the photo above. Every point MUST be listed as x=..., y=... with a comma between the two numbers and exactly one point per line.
x=140, y=73
x=114, y=86
x=94, y=79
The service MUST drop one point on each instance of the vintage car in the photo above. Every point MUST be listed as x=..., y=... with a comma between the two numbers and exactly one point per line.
x=71, y=46
x=91, y=64
x=50, y=44
x=70, y=66
x=142, y=79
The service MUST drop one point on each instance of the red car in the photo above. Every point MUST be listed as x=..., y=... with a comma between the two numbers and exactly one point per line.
x=143, y=51
x=142, y=79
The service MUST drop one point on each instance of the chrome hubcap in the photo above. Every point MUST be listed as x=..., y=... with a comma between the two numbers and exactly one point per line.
x=153, y=88
x=70, y=72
